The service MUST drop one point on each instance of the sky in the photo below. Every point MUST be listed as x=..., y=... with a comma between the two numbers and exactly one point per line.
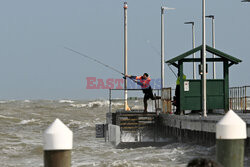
x=33, y=33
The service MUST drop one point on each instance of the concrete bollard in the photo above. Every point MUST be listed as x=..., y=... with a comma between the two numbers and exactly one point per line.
x=230, y=137
x=58, y=141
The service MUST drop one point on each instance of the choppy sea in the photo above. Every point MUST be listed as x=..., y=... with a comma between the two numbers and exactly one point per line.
x=22, y=124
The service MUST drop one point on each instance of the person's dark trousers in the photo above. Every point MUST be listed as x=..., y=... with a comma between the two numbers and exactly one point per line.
x=148, y=94
x=177, y=96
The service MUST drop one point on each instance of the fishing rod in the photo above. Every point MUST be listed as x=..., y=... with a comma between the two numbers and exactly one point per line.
x=99, y=62
x=95, y=60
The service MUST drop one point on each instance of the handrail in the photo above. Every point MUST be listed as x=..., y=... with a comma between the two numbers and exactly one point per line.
x=110, y=95
x=238, y=98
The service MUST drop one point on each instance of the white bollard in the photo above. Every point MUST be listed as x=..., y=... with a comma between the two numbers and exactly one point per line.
x=230, y=137
x=58, y=141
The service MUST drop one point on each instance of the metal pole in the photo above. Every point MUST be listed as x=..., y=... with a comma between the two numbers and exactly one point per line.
x=204, y=77
x=230, y=98
x=193, y=44
x=110, y=101
x=234, y=99
x=162, y=43
x=213, y=43
x=241, y=99
x=194, y=66
x=245, y=99
x=213, y=32
x=162, y=47
x=125, y=56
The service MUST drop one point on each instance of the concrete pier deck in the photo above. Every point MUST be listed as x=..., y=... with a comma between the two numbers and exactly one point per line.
x=194, y=128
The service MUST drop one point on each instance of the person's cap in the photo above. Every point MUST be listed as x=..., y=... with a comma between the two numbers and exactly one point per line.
x=146, y=74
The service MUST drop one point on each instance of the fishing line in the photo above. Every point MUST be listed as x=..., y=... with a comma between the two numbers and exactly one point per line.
x=95, y=60
x=156, y=50
x=172, y=70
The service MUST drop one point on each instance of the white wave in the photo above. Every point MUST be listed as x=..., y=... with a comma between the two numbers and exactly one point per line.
x=2, y=116
x=91, y=104
x=137, y=107
x=127, y=163
x=150, y=107
x=66, y=101
x=80, y=124
x=96, y=104
x=7, y=101
x=78, y=105
x=128, y=137
x=74, y=123
x=23, y=122
x=26, y=101
x=36, y=114
x=117, y=104
x=86, y=124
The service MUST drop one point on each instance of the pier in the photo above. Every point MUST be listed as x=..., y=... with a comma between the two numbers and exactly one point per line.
x=190, y=128
x=162, y=123
x=195, y=128
x=193, y=114
x=140, y=128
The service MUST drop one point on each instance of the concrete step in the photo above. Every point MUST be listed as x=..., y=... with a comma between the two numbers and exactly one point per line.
x=135, y=124
x=137, y=115
x=136, y=120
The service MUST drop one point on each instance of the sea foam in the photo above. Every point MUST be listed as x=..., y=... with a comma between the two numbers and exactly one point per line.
x=66, y=101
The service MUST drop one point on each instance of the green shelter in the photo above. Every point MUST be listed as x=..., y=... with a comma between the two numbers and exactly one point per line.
x=191, y=89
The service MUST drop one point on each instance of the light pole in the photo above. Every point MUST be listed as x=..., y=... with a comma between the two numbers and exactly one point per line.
x=204, y=72
x=125, y=57
x=162, y=43
x=213, y=43
x=193, y=41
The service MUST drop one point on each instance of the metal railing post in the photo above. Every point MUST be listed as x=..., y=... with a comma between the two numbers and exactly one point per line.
x=234, y=100
x=110, y=101
x=246, y=98
x=230, y=99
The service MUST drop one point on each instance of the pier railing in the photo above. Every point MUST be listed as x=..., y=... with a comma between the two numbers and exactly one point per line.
x=239, y=98
x=136, y=95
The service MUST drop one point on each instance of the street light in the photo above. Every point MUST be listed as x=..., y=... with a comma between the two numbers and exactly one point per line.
x=213, y=43
x=193, y=41
x=162, y=43
x=125, y=7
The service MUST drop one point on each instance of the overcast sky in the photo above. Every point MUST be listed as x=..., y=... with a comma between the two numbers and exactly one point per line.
x=33, y=33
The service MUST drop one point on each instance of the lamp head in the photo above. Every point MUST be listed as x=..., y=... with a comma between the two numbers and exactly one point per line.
x=190, y=22
x=210, y=16
x=167, y=8
x=125, y=5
